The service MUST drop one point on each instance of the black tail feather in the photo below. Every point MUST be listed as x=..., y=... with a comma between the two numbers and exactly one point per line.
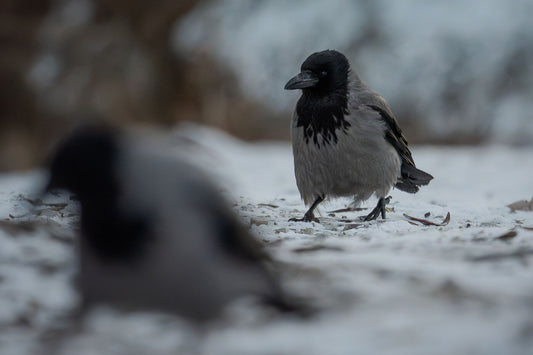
x=412, y=178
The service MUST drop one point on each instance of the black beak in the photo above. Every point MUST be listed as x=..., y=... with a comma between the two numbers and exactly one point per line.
x=305, y=79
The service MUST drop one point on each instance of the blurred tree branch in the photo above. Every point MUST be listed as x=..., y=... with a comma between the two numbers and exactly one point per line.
x=64, y=61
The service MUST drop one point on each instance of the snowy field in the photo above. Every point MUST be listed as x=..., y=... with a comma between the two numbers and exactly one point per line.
x=381, y=287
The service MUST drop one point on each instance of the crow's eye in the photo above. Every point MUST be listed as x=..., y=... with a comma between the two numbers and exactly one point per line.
x=324, y=73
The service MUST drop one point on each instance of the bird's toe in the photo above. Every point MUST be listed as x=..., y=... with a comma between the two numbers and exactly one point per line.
x=305, y=218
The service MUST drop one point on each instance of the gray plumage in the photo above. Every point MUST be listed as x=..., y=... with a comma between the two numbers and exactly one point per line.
x=155, y=233
x=346, y=140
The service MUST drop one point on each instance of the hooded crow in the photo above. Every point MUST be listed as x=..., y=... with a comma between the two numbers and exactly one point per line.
x=345, y=138
x=155, y=233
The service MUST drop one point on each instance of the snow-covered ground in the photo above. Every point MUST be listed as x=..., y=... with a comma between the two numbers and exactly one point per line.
x=382, y=287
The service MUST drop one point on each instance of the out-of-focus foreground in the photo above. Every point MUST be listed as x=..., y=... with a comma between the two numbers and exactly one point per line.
x=64, y=61
x=453, y=72
x=385, y=287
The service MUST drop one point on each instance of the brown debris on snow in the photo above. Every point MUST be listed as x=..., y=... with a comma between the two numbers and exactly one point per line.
x=425, y=222
x=509, y=235
x=522, y=205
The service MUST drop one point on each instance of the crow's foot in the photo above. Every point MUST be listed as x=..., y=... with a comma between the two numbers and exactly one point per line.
x=379, y=209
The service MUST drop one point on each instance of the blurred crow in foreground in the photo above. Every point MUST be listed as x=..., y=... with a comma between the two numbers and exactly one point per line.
x=345, y=138
x=155, y=234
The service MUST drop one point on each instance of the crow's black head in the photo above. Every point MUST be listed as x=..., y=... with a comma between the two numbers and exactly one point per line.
x=83, y=162
x=324, y=103
x=322, y=73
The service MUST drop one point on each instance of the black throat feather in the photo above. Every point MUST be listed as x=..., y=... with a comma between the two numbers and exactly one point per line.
x=116, y=237
x=323, y=114
x=114, y=232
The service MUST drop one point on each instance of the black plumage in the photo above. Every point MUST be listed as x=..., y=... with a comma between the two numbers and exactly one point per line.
x=155, y=232
x=345, y=138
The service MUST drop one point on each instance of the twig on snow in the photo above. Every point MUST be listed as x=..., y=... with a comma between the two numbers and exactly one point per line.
x=425, y=222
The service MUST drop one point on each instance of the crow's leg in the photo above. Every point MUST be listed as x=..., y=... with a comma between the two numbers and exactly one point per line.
x=379, y=209
x=309, y=216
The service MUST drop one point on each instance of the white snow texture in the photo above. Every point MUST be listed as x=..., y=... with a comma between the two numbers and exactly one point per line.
x=382, y=287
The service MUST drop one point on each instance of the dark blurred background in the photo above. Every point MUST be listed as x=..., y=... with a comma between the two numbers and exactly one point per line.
x=454, y=72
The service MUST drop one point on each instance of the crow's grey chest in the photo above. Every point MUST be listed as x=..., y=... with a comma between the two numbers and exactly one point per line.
x=348, y=157
x=319, y=157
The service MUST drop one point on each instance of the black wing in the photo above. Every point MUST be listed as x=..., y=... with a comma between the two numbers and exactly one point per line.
x=411, y=177
x=394, y=136
x=234, y=237
x=228, y=232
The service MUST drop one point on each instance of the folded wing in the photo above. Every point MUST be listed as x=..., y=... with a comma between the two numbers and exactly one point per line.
x=411, y=177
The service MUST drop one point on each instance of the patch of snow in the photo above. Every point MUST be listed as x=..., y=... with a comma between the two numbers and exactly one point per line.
x=382, y=287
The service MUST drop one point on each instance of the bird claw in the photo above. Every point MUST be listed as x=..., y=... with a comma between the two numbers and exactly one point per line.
x=373, y=215
x=379, y=209
x=305, y=218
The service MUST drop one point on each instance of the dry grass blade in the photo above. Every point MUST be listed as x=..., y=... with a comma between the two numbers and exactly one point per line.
x=267, y=205
x=349, y=209
x=521, y=253
x=429, y=223
x=15, y=228
x=523, y=205
x=509, y=235
x=352, y=226
x=39, y=203
x=316, y=248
